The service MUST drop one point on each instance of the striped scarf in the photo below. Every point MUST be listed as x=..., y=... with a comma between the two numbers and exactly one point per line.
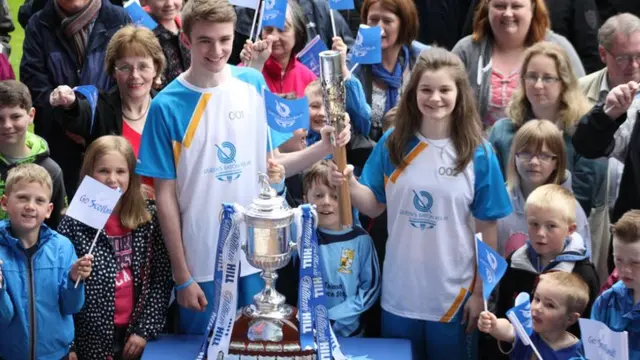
x=77, y=27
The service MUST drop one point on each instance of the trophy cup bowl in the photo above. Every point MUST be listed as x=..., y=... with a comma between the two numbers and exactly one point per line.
x=268, y=327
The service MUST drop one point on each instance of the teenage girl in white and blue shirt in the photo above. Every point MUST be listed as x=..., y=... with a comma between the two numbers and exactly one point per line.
x=440, y=183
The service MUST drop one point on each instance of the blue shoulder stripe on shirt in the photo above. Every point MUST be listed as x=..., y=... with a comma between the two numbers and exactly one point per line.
x=249, y=75
x=326, y=238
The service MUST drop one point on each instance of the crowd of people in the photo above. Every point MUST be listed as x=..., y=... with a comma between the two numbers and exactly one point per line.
x=523, y=133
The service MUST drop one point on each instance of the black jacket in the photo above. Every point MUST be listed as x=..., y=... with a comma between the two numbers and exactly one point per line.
x=94, y=324
x=608, y=8
x=594, y=137
x=442, y=22
x=107, y=121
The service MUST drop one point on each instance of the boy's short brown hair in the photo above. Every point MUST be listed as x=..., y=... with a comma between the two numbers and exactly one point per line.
x=317, y=174
x=573, y=286
x=627, y=229
x=14, y=93
x=215, y=11
x=552, y=196
x=29, y=173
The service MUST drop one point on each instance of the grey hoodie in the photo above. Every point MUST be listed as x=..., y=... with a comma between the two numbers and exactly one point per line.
x=512, y=229
x=476, y=56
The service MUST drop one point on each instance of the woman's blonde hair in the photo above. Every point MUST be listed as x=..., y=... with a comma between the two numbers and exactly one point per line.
x=133, y=207
x=466, y=131
x=573, y=103
x=533, y=136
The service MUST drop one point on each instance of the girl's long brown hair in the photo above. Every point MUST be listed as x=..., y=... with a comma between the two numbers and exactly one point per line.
x=466, y=131
x=133, y=207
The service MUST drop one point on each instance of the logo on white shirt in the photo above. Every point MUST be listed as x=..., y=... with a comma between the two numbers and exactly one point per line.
x=230, y=169
x=421, y=216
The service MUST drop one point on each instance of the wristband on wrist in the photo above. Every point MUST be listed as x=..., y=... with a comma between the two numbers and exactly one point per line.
x=185, y=285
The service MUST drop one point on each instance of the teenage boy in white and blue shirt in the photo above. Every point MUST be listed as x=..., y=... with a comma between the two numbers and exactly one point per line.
x=204, y=142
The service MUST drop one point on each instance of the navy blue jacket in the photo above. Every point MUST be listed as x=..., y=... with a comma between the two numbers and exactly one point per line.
x=49, y=60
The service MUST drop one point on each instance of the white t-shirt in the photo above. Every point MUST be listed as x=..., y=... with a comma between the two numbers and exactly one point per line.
x=212, y=142
x=430, y=259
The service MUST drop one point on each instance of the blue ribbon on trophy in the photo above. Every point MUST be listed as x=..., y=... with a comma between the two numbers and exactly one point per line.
x=227, y=269
x=312, y=310
x=305, y=301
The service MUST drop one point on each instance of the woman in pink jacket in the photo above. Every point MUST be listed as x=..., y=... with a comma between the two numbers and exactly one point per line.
x=275, y=55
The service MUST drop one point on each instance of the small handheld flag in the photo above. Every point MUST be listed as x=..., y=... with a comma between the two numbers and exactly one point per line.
x=491, y=267
x=367, y=48
x=90, y=92
x=522, y=310
x=602, y=343
x=92, y=204
x=341, y=5
x=274, y=14
x=139, y=16
x=310, y=55
x=284, y=115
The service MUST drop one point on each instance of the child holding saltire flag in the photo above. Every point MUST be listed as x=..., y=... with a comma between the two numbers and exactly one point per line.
x=491, y=268
x=558, y=302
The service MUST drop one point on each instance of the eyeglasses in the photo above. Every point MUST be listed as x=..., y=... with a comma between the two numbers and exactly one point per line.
x=625, y=60
x=143, y=68
x=543, y=157
x=532, y=79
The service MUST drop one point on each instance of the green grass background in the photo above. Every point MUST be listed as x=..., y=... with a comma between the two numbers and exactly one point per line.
x=17, y=37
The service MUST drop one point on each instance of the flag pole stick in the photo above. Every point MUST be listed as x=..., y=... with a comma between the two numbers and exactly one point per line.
x=93, y=244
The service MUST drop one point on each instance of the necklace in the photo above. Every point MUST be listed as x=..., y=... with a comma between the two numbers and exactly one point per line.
x=141, y=116
x=441, y=148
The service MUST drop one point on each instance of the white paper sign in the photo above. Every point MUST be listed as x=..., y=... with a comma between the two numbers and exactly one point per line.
x=602, y=343
x=251, y=4
x=93, y=203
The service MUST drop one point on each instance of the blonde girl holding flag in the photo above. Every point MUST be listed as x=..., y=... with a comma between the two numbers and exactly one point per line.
x=127, y=295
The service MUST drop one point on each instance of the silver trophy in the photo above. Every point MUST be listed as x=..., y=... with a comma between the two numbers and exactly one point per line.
x=268, y=247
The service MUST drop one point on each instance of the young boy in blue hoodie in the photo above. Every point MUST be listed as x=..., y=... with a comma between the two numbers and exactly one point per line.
x=619, y=307
x=559, y=299
x=39, y=268
x=552, y=244
x=348, y=258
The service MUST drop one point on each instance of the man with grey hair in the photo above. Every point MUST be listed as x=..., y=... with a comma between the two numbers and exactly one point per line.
x=609, y=130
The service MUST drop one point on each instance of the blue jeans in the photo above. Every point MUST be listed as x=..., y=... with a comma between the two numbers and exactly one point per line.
x=433, y=340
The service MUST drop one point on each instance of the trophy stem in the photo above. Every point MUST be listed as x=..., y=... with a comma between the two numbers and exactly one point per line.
x=269, y=303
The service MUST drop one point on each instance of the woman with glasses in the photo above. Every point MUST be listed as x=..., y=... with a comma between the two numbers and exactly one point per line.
x=549, y=90
x=135, y=60
x=493, y=54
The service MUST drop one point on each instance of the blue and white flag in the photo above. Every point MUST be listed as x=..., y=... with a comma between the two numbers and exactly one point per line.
x=274, y=14
x=341, y=5
x=491, y=267
x=90, y=92
x=138, y=15
x=522, y=311
x=284, y=115
x=310, y=55
x=367, y=48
